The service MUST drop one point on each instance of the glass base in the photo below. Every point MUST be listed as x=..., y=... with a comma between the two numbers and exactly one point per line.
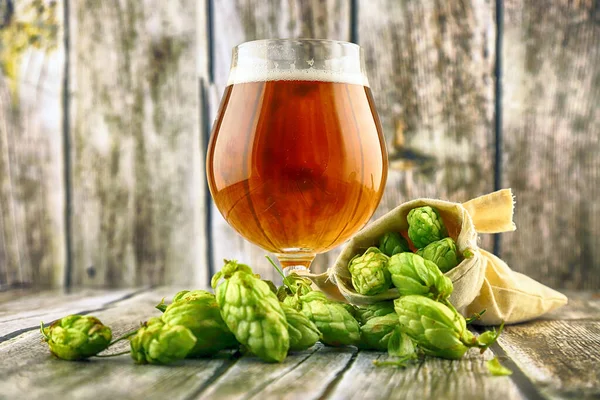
x=295, y=262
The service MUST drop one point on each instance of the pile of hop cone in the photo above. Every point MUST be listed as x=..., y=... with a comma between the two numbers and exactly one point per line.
x=253, y=316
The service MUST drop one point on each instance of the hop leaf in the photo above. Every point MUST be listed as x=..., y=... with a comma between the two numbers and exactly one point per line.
x=412, y=274
x=252, y=312
x=376, y=333
x=425, y=226
x=442, y=252
x=400, y=344
x=337, y=326
x=303, y=332
x=365, y=313
x=198, y=311
x=159, y=343
x=496, y=368
x=369, y=272
x=76, y=337
x=393, y=243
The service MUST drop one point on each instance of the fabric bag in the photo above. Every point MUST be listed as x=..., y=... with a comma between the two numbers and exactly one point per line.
x=481, y=281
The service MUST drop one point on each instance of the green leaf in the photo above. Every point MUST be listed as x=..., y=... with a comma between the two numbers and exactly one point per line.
x=496, y=368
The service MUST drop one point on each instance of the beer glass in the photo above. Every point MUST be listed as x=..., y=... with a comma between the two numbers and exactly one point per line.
x=296, y=161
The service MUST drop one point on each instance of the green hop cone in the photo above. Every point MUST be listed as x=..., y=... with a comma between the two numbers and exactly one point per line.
x=252, y=312
x=393, y=243
x=76, y=337
x=376, y=333
x=198, y=311
x=303, y=332
x=365, y=313
x=412, y=274
x=425, y=226
x=271, y=285
x=438, y=329
x=292, y=284
x=369, y=272
x=159, y=343
x=337, y=326
x=442, y=252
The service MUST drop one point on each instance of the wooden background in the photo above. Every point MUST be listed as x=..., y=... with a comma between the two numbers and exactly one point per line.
x=103, y=136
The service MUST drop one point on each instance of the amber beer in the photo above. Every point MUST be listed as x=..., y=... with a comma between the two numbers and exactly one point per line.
x=297, y=165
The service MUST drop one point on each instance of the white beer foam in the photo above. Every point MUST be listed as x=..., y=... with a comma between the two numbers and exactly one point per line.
x=257, y=75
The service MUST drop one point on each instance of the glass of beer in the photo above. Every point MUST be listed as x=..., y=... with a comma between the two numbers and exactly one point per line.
x=296, y=160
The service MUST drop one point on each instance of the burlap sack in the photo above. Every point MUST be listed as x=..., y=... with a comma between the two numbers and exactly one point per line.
x=481, y=281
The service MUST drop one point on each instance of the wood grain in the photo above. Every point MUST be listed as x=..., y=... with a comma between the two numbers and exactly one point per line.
x=551, y=92
x=430, y=67
x=239, y=21
x=560, y=357
x=432, y=379
x=45, y=377
x=27, y=312
x=138, y=189
x=251, y=379
x=32, y=237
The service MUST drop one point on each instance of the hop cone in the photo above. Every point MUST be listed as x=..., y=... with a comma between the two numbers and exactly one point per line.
x=159, y=343
x=442, y=252
x=252, y=312
x=369, y=272
x=425, y=226
x=393, y=243
x=376, y=333
x=293, y=283
x=198, y=311
x=337, y=326
x=365, y=313
x=412, y=274
x=303, y=332
x=76, y=337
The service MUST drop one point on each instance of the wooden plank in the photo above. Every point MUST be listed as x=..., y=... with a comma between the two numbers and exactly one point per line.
x=239, y=21
x=582, y=305
x=430, y=67
x=27, y=312
x=33, y=369
x=432, y=379
x=303, y=374
x=138, y=189
x=551, y=64
x=560, y=357
x=32, y=239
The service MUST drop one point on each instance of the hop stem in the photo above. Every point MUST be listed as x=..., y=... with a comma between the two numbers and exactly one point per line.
x=124, y=336
x=285, y=280
x=113, y=355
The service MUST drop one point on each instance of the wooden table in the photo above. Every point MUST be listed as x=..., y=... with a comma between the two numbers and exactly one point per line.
x=555, y=357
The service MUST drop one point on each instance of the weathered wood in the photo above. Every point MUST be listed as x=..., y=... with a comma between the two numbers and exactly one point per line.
x=432, y=379
x=239, y=21
x=32, y=238
x=249, y=378
x=430, y=67
x=27, y=312
x=551, y=61
x=582, y=305
x=34, y=370
x=138, y=189
x=560, y=357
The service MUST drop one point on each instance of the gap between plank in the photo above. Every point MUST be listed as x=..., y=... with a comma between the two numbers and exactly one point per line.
x=498, y=142
x=66, y=131
x=335, y=381
x=261, y=387
x=106, y=306
x=222, y=370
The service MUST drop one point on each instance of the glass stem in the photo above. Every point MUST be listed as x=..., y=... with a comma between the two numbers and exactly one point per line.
x=295, y=262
